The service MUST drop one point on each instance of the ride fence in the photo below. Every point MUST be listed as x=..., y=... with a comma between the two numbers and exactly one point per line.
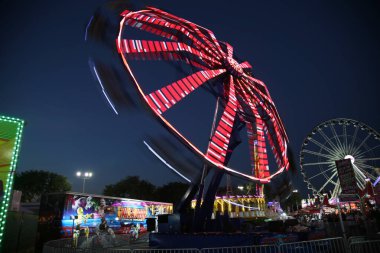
x=330, y=245
x=247, y=249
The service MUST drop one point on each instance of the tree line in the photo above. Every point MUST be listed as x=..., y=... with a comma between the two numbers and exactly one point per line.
x=33, y=183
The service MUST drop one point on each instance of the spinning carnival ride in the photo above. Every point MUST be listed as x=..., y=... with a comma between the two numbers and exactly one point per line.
x=241, y=99
x=245, y=100
x=338, y=139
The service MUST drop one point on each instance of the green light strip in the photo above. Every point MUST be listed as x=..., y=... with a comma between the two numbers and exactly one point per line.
x=9, y=183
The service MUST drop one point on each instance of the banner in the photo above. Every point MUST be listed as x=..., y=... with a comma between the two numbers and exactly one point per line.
x=346, y=176
x=10, y=136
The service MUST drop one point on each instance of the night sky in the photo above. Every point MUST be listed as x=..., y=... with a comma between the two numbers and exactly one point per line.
x=319, y=59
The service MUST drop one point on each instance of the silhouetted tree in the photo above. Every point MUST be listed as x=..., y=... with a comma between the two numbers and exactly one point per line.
x=171, y=192
x=33, y=183
x=131, y=187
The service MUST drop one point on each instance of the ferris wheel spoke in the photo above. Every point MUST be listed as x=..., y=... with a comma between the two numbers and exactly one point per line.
x=164, y=98
x=320, y=173
x=369, y=150
x=329, y=180
x=168, y=50
x=338, y=143
x=359, y=173
x=361, y=144
x=322, y=146
x=332, y=145
x=336, y=190
x=345, y=136
x=370, y=159
x=218, y=146
x=317, y=163
x=331, y=158
x=351, y=145
x=360, y=166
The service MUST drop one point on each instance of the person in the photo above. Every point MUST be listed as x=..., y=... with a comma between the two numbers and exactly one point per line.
x=104, y=228
x=135, y=231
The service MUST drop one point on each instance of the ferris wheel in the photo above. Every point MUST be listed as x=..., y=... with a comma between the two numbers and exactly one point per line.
x=338, y=139
x=244, y=100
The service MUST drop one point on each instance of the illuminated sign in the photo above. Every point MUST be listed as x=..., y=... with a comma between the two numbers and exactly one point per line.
x=346, y=176
x=10, y=137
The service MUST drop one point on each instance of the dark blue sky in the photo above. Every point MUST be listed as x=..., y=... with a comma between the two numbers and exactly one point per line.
x=319, y=59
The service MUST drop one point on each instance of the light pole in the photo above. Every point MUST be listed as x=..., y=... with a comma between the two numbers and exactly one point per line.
x=84, y=176
x=295, y=191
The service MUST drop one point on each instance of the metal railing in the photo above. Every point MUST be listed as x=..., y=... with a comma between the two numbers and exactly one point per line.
x=330, y=245
x=188, y=250
x=247, y=249
x=365, y=246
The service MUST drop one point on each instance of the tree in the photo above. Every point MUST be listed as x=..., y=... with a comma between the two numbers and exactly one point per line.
x=131, y=187
x=171, y=192
x=33, y=183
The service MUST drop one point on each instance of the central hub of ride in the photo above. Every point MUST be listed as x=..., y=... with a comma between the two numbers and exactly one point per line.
x=233, y=67
x=350, y=157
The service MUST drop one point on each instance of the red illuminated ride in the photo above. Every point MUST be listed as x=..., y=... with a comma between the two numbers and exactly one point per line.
x=245, y=100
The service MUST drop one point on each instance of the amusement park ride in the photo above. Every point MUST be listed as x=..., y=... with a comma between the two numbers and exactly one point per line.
x=242, y=99
x=338, y=139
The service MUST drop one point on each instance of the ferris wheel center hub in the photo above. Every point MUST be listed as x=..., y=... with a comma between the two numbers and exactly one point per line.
x=233, y=66
x=350, y=157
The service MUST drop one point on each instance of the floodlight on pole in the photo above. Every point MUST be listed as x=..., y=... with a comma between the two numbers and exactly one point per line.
x=84, y=176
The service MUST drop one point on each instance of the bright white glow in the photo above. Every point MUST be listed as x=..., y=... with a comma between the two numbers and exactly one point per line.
x=240, y=187
x=86, y=174
x=237, y=204
x=350, y=157
x=295, y=190
x=90, y=174
x=79, y=174
x=104, y=92
x=167, y=164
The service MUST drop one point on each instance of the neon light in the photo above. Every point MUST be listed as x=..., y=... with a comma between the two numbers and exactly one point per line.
x=88, y=25
x=377, y=180
x=244, y=91
x=103, y=90
x=166, y=163
x=236, y=204
x=10, y=130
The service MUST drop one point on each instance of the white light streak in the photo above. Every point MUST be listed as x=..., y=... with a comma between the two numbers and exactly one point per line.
x=167, y=164
x=237, y=204
x=104, y=92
